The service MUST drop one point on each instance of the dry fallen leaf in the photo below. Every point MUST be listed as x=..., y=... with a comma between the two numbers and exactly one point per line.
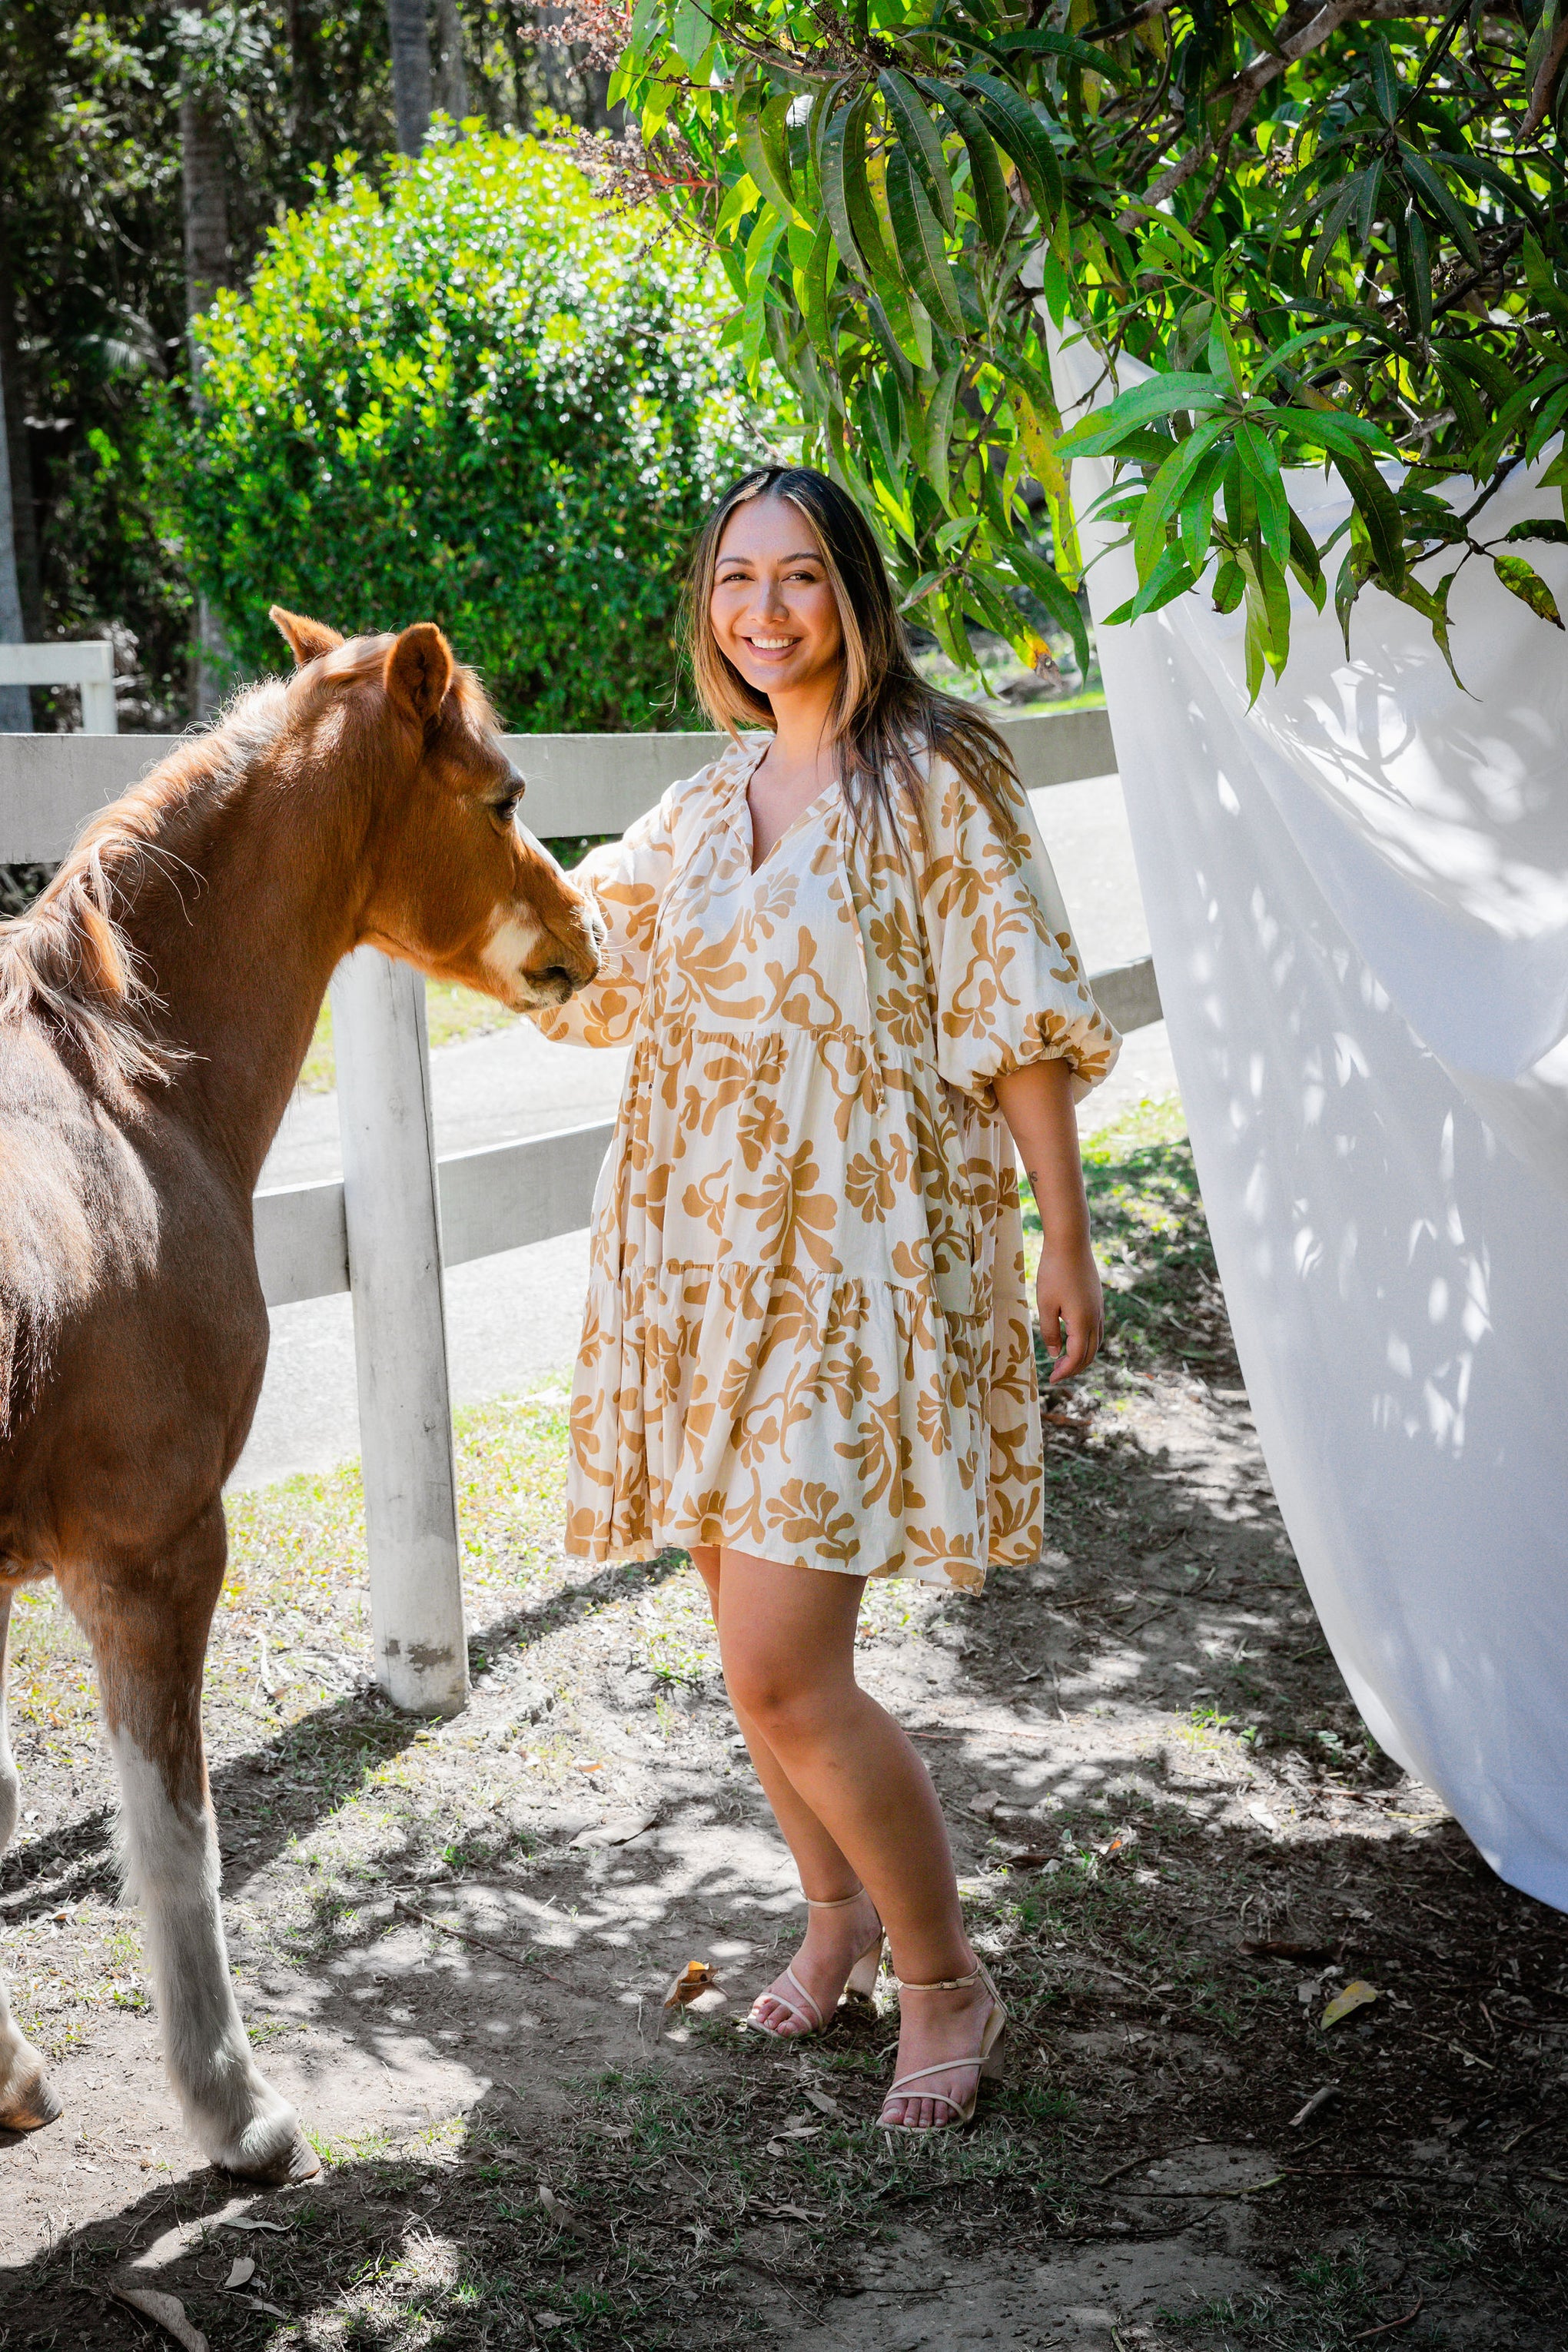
x=165, y=2311
x=244, y=2270
x=1356, y=1995
x=619, y=1832
x=560, y=2212
x=697, y=1976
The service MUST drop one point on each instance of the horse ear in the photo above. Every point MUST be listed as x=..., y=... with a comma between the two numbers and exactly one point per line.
x=306, y=638
x=419, y=671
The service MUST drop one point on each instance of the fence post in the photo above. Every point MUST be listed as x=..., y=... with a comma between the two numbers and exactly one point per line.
x=400, y=1334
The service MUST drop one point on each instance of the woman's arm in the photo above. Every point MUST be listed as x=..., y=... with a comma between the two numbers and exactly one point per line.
x=1036, y=1103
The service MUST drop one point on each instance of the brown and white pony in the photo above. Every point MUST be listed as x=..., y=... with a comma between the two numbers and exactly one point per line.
x=155, y=1006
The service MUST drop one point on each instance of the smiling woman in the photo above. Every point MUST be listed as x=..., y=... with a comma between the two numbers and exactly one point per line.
x=849, y=991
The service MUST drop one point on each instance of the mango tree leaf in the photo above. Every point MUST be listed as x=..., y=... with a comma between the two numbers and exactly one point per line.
x=919, y=242
x=988, y=185
x=1523, y=580
x=1019, y=132
x=918, y=138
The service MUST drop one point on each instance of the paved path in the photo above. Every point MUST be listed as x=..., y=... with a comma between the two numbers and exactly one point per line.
x=513, y=1321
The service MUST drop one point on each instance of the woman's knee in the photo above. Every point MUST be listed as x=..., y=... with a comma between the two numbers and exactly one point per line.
x=789, y=1699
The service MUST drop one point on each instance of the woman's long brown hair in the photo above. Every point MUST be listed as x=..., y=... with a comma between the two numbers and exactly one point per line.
x=884, y=714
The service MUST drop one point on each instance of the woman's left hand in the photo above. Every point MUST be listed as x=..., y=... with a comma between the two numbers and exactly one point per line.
x=1070, y=1301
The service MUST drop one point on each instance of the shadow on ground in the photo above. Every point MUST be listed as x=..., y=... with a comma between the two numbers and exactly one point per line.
x=1179, y=1848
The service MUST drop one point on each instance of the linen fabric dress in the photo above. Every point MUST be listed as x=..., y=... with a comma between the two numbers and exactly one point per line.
x=808, y=1334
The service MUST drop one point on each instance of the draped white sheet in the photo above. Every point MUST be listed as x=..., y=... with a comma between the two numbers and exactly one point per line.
x=1357, y=896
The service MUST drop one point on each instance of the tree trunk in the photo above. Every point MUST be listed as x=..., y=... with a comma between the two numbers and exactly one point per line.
x=15, y=709
x=206, y=200
x=410, y=72
x=452, y=82
x=206, y=269
x=24, y=502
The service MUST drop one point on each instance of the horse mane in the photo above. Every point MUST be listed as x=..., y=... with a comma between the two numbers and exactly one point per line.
x=66, y=960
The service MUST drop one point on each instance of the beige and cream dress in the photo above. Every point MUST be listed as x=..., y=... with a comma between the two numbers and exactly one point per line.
x=808, y=1333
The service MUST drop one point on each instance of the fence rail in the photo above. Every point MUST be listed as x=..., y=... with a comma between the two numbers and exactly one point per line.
x=386, y=1231
x=84, y=662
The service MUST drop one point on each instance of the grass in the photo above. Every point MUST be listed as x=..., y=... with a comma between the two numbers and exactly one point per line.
x=453, y=1014
x=724, y=2188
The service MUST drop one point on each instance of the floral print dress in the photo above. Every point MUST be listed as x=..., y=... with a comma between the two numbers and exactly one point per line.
x=808, y=1333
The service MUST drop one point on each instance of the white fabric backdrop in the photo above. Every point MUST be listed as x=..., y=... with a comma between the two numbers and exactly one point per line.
x=1358, y=901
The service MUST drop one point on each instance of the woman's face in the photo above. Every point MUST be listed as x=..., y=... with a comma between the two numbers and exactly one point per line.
x=772, y=609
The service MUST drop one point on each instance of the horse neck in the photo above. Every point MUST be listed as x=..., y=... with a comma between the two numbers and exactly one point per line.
x=252, y=892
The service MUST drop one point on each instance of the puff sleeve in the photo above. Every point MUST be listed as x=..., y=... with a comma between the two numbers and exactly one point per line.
x=1010, y=985
x=627, y=879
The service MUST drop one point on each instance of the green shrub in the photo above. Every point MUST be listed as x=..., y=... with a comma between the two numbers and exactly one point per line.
x=481, y=397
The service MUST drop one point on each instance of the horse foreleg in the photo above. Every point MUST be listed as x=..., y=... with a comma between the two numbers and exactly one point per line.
x=26, y=2101
x=149, y=1629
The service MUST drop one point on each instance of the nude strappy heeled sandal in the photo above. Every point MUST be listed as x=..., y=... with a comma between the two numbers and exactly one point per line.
x=861, y=1981
x=987, y=2062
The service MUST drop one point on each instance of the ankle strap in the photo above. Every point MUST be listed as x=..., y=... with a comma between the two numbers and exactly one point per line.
x=841, y=1903
x=945, y=1984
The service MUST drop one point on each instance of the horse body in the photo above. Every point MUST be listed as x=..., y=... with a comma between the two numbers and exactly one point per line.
x=155, y=1007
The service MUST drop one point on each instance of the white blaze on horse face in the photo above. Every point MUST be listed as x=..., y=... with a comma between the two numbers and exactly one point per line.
x=514, y=938
x=171, y=1872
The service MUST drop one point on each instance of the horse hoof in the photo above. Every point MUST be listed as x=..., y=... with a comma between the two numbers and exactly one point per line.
x=295, y=2162
x=31, y=2107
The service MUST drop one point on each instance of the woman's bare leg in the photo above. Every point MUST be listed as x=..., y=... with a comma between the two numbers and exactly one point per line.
x=856, y=1790
x=835, y=1940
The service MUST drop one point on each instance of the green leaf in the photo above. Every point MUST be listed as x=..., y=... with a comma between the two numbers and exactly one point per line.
x=1379, y=512
x=1165, y=492
x=1170, y=578
x=762, y=135
x=1305, y=562
x=1261, y=460
x=919, y=243
x=1162, y=395
x=1550, y=416
x=1019, y=132
x=988, y=185
x=1055, y=595
x=1523, y=580
x=1435, y=190
x=1047, y=43
x=691, y=33
x=918, y=138
x=1384, y=80
x=1198, y=509
x=939, y=428
x=833, y=168
x=811, y=286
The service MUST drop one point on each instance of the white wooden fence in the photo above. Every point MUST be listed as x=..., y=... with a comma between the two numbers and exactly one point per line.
x=398, y=1215
x=84, y=662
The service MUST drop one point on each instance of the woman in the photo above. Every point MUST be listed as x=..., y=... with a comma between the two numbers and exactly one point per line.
x=849, y=990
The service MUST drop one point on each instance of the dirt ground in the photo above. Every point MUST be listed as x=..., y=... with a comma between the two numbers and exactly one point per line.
x=1178, y=1847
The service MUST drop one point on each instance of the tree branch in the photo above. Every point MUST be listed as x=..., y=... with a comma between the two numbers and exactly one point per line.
x=1248, y=87
x=1541, y=96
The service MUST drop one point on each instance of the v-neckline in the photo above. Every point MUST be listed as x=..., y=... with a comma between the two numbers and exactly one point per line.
x=756, y=869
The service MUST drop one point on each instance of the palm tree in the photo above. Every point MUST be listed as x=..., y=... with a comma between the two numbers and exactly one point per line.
x=15, y=711
x=205, y=191
x=410, y=72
